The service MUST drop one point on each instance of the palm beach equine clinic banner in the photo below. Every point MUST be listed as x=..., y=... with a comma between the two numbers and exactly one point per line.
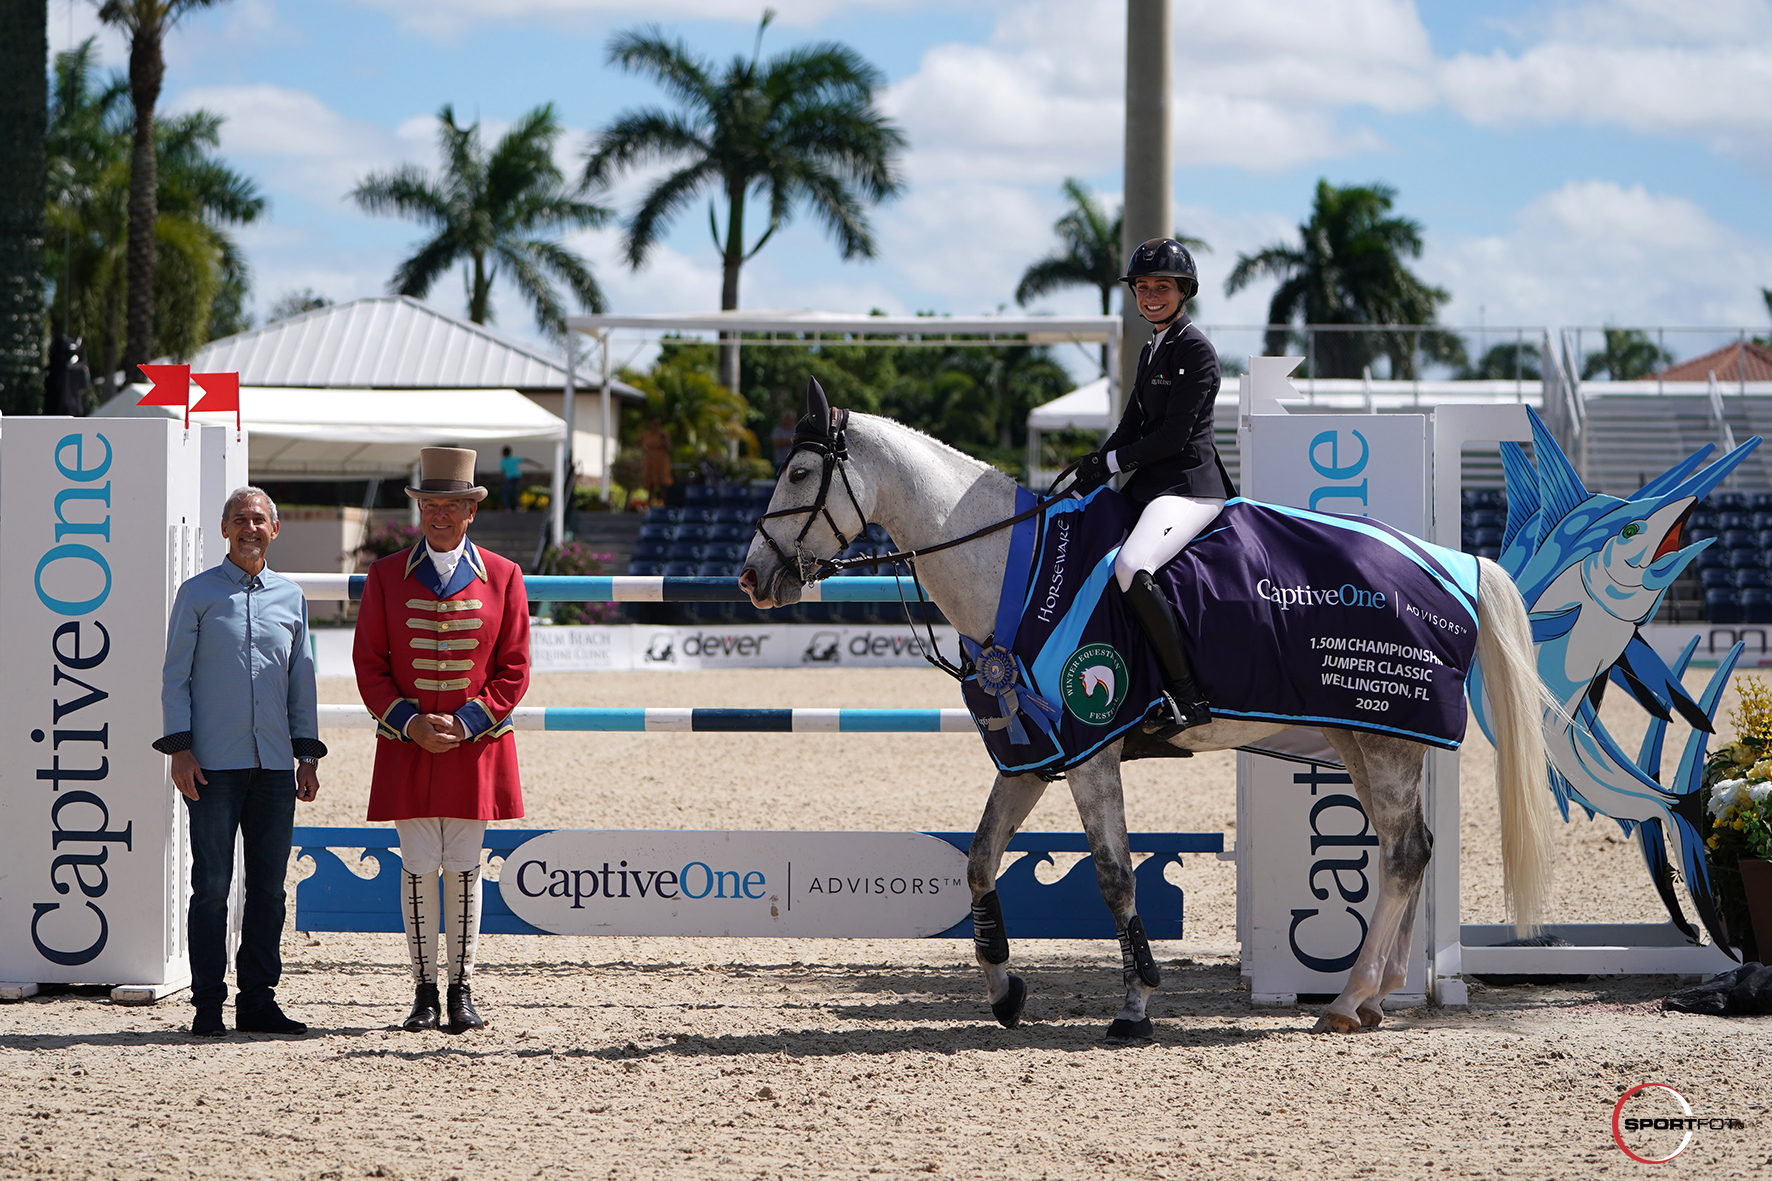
x=99, y=525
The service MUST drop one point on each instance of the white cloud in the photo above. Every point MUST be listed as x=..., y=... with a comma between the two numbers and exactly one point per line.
x=1594, y=252
x=1703, y=71
x=294, y=139
x=449, y=19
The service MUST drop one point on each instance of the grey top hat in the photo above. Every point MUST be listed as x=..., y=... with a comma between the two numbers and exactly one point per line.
x=446, y=471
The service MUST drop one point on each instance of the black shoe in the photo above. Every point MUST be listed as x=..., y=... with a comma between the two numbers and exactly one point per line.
x=1172, y=715
x=268, y=1019
x=208, y=1022
x=426, y=1009
x=462, y=1016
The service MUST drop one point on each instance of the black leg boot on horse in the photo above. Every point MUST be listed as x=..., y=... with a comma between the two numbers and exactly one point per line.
x=1185, y=705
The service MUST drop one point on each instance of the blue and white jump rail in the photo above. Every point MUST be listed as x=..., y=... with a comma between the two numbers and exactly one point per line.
x=652, y=720
x=636, y=588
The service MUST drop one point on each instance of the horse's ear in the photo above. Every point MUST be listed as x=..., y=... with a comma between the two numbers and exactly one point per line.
x=818, y=408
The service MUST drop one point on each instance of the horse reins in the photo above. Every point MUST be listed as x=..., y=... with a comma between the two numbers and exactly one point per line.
x=829, y=441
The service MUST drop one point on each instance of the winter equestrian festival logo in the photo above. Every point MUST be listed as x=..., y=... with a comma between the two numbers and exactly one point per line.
x=1094, y=683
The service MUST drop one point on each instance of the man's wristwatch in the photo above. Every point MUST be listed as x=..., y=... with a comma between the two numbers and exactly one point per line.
x=309, y=760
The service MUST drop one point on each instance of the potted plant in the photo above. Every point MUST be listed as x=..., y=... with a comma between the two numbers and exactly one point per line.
x=1738, y=791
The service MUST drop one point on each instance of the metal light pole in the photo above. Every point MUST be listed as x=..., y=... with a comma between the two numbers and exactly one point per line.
x=1150, y=186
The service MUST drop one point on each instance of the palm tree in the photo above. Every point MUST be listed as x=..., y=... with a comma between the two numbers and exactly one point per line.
x=1089, y=253
x=147, y=22
x=491, y=211
x=1628, y=354
x=799, y=128
x=24, y=43
x=1348, y=268
x=90, y=176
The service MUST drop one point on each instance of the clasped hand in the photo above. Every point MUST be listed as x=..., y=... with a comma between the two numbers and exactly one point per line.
x=437, y=733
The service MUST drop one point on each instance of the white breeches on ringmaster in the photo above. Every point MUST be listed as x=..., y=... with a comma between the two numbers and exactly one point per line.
x=1167, y=524
x=440, y=842
x=446, y=848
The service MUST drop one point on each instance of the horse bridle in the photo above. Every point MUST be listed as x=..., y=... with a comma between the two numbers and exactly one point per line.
x=824, y=432
x=828, y=440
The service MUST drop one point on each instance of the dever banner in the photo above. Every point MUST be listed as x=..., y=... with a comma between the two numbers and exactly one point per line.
x=98, y=523
x=836, y=885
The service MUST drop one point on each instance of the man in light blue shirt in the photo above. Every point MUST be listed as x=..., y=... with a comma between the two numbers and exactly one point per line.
x=238, y=702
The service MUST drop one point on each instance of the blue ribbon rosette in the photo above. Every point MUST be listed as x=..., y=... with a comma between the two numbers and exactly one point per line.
x=997, y=671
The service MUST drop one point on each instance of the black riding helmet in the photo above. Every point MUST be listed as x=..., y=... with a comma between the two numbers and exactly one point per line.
x=1164, y=258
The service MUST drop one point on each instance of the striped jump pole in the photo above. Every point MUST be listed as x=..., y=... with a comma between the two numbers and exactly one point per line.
x=706, y=721
x=636, y=588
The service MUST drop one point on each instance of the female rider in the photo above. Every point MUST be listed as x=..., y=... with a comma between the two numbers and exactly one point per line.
x=1164, y=442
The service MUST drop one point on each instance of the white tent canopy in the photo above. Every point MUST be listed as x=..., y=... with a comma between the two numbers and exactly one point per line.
x=1083, y=409
x=296, y=433
x=1036, y=329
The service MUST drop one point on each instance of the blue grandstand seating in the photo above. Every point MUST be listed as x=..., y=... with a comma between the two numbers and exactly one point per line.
x=662, y=515
x=699, y=494
x=728, y=533
x=1750, y=576
x=687, y=531
x=1761, y=502
x=1730, y=520
x=650, y=551
x=1716, y=576
x=1722, y=605
x=1487, y=538
x=679, y=570
x=1756, y=605
x=656, y=531
x=1740, y=539
x=684, y=551
x=1711, y=556
x=646, y=569
x=1484, y=518
x=1739, y=558
x=723, y=569
x=1492, y=552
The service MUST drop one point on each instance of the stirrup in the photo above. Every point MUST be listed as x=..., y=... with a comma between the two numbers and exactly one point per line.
x=1172, y=715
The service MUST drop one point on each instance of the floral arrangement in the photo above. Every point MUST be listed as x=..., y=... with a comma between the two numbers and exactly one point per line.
x=1738, y=791
x=391, y=538
x=577, y=558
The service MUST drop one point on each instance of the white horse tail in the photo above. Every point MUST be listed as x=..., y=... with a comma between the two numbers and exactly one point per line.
x=1517, y=701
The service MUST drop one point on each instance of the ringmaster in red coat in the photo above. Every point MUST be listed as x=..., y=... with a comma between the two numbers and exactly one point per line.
x=442, y=657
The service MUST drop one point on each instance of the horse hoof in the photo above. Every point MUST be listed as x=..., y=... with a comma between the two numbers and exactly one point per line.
x=1335, y=1023
x=1371, y=1017
x=1125, y=1033
x=1008, y=1010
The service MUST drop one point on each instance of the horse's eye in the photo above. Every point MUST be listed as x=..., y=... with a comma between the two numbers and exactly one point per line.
x=1630, y=530
x=798, y=474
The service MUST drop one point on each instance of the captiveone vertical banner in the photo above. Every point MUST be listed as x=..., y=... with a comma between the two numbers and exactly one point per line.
x=98, y=522
x=1307, y=856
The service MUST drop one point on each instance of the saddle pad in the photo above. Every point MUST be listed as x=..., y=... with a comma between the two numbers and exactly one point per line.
x=1314, y=619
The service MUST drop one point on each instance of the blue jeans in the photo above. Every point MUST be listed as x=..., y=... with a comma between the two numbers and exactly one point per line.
x=260, y=805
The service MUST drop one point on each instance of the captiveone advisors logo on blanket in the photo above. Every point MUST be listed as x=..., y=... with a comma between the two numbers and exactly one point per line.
x=1652, y=1123
x=1093, y=684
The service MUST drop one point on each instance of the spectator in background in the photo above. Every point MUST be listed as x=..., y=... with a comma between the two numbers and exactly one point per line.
x=655, y=460
x=238, y=703
x=511, y=490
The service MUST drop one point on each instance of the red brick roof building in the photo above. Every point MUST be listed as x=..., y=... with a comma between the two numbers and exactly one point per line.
x=1727, y=363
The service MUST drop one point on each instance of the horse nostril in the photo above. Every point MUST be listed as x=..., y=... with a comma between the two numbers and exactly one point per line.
x=747, y=578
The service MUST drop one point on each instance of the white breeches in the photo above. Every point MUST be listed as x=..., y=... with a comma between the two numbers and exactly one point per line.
x=440, y=842
x=1167, y=524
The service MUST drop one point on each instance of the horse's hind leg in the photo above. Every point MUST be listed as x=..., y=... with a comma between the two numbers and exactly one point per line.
x=1012, y=798
x=1095, y=785
x=1387, y=775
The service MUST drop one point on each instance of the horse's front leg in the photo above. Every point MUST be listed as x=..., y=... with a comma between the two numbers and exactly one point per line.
x=1012, y=798
x=1101, y=803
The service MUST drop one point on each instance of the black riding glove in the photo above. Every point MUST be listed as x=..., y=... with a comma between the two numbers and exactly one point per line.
x=1092, y=473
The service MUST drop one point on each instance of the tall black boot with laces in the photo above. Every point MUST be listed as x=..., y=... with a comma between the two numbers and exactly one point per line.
x=1185, y=705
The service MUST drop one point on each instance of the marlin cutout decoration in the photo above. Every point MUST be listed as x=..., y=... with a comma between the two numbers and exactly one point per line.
x=1592, y=568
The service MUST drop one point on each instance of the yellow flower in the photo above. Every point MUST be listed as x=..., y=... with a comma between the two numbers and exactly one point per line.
x=1754, y=716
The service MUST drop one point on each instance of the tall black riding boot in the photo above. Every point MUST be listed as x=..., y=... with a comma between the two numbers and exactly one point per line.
x=1186, y=706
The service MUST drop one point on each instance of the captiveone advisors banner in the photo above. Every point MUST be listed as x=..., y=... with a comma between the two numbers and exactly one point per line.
x=838, y=885
x=99, y=526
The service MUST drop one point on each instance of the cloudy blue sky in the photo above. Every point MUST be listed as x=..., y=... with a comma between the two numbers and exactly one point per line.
x=1571, y=162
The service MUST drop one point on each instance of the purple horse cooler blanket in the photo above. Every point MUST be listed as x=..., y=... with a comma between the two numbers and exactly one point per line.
x=1292, y=616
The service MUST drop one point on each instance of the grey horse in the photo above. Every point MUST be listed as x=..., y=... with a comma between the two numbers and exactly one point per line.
x=851, y=469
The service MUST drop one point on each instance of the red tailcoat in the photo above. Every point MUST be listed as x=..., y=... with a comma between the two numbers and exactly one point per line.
x=460, y=648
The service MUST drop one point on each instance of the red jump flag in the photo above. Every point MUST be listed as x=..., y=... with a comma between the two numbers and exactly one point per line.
x=221, y=391
x=172, y=387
